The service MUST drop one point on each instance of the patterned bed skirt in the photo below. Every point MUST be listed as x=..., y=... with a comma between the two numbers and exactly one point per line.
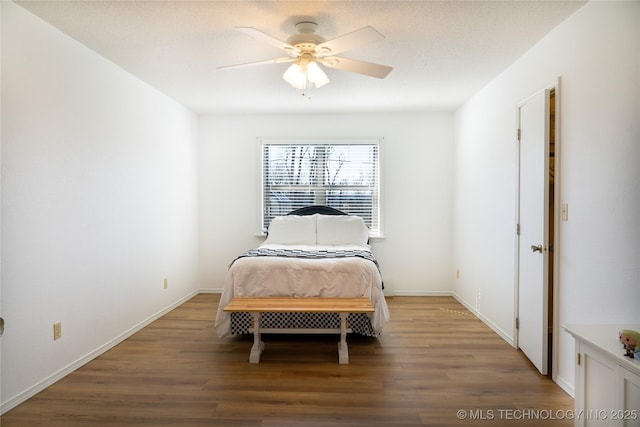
x=358, y=322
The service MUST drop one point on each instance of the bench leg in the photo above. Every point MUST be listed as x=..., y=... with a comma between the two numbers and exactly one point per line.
x=343, y=349
x=258, y=345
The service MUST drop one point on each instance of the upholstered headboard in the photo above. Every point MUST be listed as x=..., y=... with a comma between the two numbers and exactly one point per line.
x=317, y=209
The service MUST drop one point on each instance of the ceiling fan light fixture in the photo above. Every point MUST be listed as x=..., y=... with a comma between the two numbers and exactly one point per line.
x=299, y=73
x=316, y=75
x=296, y=76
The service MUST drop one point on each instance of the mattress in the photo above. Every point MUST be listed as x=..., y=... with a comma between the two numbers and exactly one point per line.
x=304, y=271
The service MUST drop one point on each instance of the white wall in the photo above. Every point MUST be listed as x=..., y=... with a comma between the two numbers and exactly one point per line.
x=596, y=53
x=99, y=203
x=416, y=251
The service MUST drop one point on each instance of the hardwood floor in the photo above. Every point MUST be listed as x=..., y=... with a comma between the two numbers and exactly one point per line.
x=435, y=364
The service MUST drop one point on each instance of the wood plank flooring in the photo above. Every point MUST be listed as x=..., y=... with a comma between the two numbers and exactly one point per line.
x=433, y=360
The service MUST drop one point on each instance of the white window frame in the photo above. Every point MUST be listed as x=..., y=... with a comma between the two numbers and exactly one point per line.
x=261, y=141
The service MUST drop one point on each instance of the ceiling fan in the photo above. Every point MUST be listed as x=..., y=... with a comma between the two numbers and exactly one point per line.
x=306, y=50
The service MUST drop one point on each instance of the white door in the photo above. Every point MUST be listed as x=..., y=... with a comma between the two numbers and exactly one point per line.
x=532, y=317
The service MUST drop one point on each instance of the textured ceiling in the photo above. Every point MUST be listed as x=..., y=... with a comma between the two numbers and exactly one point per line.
x=442, y=51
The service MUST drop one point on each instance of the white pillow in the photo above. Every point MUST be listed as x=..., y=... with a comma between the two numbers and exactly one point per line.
x=292, y=230
x=341, y=230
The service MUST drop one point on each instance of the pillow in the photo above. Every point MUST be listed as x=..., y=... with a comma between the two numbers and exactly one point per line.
x=292, y=230
x=341, y=230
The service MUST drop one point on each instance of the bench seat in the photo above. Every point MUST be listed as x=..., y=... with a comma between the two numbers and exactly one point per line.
x=258, y=305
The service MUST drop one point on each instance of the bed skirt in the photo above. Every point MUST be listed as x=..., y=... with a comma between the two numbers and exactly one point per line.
x=358, y=322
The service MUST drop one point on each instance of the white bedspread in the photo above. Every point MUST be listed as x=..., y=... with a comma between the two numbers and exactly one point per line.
x=299, y=277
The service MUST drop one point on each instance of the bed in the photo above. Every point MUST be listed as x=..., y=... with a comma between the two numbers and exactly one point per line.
x=316, y=251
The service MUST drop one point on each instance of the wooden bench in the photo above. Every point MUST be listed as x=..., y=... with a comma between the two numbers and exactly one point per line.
x=258, y=305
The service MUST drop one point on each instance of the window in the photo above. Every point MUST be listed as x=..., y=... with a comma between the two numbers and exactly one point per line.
x=344, y=175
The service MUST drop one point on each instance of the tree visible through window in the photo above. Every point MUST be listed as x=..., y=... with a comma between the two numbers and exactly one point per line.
x=344, y=176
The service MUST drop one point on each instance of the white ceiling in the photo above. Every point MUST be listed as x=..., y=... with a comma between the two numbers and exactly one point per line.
x=442, y=51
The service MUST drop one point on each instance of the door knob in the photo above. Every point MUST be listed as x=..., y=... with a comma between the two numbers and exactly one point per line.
x=536, y=248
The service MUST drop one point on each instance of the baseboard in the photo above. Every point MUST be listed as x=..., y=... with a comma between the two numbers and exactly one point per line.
x=421, y=293
x=38, y=387
x=505, y=336
x=389, y=293
x=567, y=387
x=210, y=290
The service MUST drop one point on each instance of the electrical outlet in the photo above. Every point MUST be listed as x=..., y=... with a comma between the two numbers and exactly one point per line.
x=564, y=212
x=166, y=283
x=57, y=330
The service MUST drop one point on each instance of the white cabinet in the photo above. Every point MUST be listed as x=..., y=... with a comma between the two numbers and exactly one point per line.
x=607, y=389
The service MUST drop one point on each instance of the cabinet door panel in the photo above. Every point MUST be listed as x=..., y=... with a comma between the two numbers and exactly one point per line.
x=630, y=398
x=600, y=380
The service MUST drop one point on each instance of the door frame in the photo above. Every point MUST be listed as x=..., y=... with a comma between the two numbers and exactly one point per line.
x=555, y=324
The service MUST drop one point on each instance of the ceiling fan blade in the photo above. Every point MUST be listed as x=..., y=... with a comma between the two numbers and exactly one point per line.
x=259, y=35
x=349, y=41
x=268, y=61
x=357, y=66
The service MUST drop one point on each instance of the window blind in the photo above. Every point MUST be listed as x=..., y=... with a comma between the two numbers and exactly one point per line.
x=345, y=176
